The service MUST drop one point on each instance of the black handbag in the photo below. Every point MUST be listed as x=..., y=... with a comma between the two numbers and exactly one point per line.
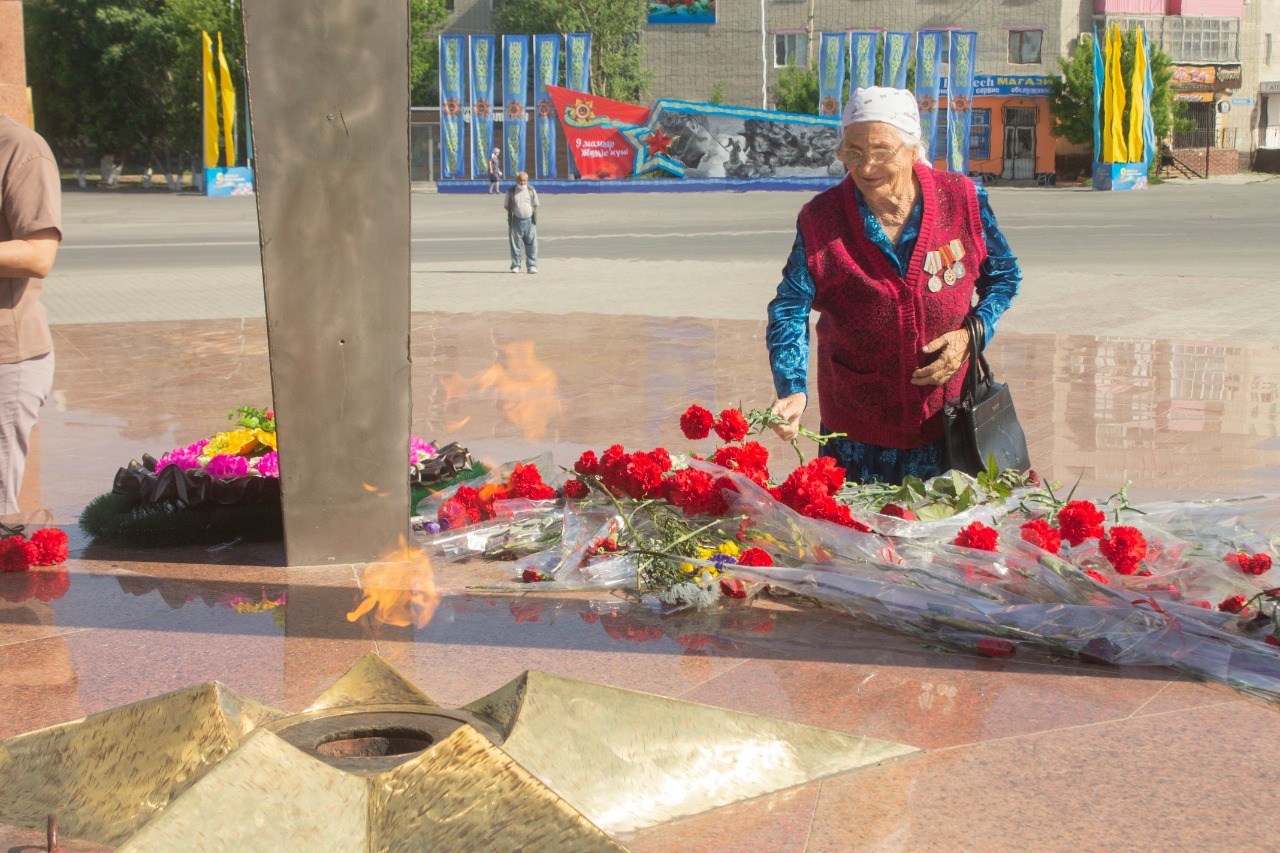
x=981, y=422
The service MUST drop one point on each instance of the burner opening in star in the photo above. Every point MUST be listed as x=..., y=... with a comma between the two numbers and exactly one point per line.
x=373, y=742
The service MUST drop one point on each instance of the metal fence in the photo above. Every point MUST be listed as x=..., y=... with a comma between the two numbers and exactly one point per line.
x=1205, y=138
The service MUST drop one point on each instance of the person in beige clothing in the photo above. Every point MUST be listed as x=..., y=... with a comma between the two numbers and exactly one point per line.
x=30, y=231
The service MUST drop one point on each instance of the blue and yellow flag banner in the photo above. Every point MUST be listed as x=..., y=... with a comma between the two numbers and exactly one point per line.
x=210, y=104
x=452, y=97
x=831, y=63
x=896, y=54
x=515, y=88
x=546, y=65
x=481, y=50
x=577, y=68
x=928, y=77
x=862, y=59
x=1114, y=96
x=964, y=52
x=1137, y=105
x=1148, y=120
x=1099, y=75
x=228, y=92
x=577, y=62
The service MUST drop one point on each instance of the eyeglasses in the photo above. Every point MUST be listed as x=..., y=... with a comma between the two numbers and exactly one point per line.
x=876, y=156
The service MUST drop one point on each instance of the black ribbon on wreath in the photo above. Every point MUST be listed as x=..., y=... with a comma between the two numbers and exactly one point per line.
x=172, y=484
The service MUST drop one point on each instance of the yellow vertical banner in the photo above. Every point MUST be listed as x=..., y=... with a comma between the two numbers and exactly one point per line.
x=210, y=105
x=1137, y=109
x=1108, y=149
x=1115, y=79
x=228, y=105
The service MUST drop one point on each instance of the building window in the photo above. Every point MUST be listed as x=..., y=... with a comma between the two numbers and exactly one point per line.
x=790, y=49
x=1267, y=54
x=1024, y=47
x=979, y=135
x=1187, y=39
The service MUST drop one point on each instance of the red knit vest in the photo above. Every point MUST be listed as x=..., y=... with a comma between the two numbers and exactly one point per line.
x=873, y=321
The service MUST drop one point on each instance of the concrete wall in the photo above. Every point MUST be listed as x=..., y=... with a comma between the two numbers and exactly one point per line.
x=13, y=63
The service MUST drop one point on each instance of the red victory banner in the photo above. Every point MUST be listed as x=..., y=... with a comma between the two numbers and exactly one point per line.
x=593, y=126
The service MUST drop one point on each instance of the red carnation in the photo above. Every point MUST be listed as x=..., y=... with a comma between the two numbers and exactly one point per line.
x=695, y=492
x=978, y=536
x=1039, y=533
x=1098, y=576
x=1237, y=560
x=13, y=556
x=733, y=588
x=533, y=576
x=576, y=489
x=696, y=423
x=1274, y=592
x=1234, y=604
x=526, y=482
x=1124, y=547
x=1272, y=640
x=755, y=557
x=751, y=459
x=895, y=511
x=1080, y=520
x=995, y=647
x=1250, y=564
x=47, y=547
x=732, y=425
x=587, y=464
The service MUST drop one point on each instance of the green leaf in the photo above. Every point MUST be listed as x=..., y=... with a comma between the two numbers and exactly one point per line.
x=934, y=512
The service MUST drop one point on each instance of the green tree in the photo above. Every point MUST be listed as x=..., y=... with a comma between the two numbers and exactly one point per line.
x=124, y=76
x=796, y=90
x=1071, y=99
x=617, y=53
x=426, y=19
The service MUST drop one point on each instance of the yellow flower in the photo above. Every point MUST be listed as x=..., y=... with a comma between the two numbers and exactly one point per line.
x=729, y=548
x=238, y=442
x=265, y=438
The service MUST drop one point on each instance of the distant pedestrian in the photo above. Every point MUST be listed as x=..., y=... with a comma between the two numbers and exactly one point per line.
x=30, y=230
x=495, y=170
x=522, y=223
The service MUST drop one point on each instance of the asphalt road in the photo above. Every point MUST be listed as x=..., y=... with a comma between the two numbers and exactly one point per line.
x=1183, y=260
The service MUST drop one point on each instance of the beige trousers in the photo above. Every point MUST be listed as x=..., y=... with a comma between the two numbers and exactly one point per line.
x=24, y=386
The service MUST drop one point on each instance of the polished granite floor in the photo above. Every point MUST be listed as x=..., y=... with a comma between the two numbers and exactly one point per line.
x=1027, y=755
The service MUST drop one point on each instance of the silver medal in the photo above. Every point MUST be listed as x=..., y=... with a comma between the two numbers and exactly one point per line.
x=935, y=284
x=958, y=269
x=949, y=277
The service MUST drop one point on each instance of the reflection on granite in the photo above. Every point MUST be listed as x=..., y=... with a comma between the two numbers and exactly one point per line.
x=1012, y=743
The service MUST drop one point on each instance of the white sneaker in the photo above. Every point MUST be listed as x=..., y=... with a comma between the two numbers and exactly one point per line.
x=513, y=269
x=533, y=271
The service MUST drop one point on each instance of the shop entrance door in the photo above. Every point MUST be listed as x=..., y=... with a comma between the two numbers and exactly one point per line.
x=1019, y=144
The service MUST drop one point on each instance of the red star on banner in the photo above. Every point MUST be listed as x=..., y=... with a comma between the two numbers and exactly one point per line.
x=657, y=143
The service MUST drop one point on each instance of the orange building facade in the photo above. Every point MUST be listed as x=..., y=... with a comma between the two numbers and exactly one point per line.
x=1010, y=137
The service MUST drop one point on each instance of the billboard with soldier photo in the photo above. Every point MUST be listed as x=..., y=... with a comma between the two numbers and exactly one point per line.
x=714, y=141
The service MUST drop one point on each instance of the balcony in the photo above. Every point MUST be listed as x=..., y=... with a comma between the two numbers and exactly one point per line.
x=1130, y=7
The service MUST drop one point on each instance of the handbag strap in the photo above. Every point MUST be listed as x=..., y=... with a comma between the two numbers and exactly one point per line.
x=977, y=364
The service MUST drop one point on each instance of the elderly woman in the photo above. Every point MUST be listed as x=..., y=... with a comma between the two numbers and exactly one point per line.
x=893, y=259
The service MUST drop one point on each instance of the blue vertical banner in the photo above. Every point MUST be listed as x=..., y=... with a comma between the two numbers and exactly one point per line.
x=1099, y=76
x=964, y=54
x=515, y=89
x=481, y=49
x=452, y=95
x=546, y=65
x=577, y=68
x=896, y=57
x=928, y=77
x=862, y=59
x=831, y=62
x=1148, y=86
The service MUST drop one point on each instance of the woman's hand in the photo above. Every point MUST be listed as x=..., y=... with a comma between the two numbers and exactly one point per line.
x=952, y=349
x=790, y=408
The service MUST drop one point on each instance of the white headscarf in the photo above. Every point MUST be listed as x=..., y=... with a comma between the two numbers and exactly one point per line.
x=895, y=107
